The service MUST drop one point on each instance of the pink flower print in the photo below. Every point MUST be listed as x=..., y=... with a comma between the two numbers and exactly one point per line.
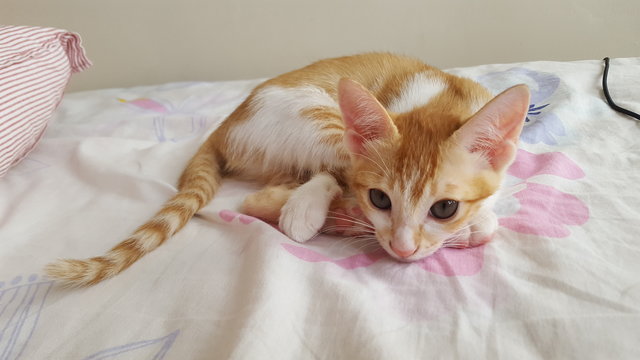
x=171, y=123
x=546, y=211
x=454, y=262
x=528, y=165
x=446, y=261
x=543, y=209
x=229, y=216
x=348, y=263
x=147, y=104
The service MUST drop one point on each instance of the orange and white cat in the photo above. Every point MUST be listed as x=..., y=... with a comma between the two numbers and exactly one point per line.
x=420, y=151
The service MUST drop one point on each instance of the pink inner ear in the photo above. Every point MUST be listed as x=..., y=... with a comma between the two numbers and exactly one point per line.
x=495, y=129
x=502, y=155
x=498, y=149
x=355, y=142
x=365, y=118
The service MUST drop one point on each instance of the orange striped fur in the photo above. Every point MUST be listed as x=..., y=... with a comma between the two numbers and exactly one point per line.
x=342, y=127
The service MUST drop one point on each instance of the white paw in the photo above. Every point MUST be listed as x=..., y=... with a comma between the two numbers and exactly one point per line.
x=306, y=209
x=301, y=219
x=486, y=224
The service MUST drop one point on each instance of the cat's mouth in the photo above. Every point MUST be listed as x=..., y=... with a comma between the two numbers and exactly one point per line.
x=418, y=254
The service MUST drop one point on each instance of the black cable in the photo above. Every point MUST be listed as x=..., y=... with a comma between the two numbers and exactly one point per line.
x=605, y=88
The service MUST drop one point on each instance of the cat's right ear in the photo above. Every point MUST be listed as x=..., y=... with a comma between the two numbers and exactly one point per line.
x=364, y=117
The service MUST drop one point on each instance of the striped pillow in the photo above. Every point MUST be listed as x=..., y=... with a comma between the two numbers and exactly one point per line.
x=35, y=66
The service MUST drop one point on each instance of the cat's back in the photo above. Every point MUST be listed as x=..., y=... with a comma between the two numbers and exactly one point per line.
x=292, y=123
x=378, y=72
x=400, y=83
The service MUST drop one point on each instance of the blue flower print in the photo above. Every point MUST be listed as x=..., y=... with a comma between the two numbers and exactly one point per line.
x=541, y=124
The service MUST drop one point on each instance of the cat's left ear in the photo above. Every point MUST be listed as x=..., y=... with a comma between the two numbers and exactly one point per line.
x=494, y=130
x=364, y=117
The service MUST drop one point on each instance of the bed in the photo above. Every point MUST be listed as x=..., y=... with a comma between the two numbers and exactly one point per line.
x=561, y=279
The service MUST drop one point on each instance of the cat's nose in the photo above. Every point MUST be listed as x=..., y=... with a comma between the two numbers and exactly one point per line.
x=404, y=253
x=403, y=243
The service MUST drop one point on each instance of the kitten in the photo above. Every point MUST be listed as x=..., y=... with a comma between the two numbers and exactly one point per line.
x=419, y=154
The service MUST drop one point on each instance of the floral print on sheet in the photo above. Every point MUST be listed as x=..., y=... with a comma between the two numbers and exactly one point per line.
x=171, y=122
x=544, y=210
x=542, y=125
x=180, y=118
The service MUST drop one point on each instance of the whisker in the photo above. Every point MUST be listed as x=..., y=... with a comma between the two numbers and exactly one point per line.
x=383, y=169
x=511, y=190
x=349, y=228
x=352, y=221
x=345, y=215
x=361, y=241
x=365, y=244
x=469, y=225
x=370, y=246
x=371, y=172
x=355, y=224
x=382, y=160
x=352, y=241
x=336, y=228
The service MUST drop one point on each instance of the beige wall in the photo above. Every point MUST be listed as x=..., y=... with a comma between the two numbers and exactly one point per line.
x=154, y=41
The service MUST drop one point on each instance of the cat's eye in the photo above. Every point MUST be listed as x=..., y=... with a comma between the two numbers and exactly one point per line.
x=379, y=199
x=444, y=209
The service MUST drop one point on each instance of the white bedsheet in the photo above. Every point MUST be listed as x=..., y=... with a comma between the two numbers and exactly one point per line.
x=560, y=280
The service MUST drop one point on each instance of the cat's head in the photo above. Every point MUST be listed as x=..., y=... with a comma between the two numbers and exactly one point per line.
x=425, y=179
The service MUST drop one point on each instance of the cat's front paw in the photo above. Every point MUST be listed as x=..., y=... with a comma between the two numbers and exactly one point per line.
x=483, y=230
x=306, y=209
x=480, y=232
x=301, y=220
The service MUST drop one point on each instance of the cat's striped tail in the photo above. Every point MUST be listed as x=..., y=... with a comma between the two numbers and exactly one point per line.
x=198, y=184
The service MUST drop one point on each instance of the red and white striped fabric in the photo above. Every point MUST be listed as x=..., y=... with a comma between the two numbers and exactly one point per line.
x=35, y=66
